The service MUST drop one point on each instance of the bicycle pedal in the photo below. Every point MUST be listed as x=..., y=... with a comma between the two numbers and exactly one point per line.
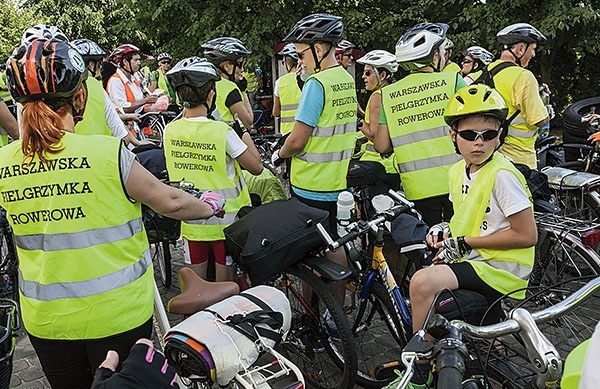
x=385, y=371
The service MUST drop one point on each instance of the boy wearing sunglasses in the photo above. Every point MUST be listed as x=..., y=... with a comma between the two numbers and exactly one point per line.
x=488, y=247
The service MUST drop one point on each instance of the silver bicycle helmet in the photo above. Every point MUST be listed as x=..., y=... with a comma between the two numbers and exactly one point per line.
x=380, y=59
x=519, y=32
x=43, y=31
x=289, y=51
x=224, y=49
x=416, y=47
x=479, y=54
x=344, y=45
x=316, y=28
x=192, y=71
x=89, y=50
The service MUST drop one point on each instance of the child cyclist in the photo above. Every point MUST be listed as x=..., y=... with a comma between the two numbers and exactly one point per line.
x=489, y=245
x=207, y=153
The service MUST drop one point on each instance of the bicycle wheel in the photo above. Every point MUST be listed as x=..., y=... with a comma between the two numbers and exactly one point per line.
x=323, y=361
x=378, y=333
x=161, y=256
x=9, y=264
x=562, y=266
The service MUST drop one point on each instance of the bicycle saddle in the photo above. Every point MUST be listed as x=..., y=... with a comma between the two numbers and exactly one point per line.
x=197, y=294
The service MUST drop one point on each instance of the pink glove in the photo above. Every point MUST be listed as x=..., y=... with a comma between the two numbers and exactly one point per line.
x=215, y=200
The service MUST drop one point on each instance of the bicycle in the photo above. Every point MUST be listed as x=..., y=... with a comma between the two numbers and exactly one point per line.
x=453, y=357
x=9, y=261
x=152, y=126
x=9, y=323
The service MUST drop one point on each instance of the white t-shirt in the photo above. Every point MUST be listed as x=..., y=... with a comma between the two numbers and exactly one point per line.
x=508, y=198
x=113, y=121
x=235, y=146
x=116, y=90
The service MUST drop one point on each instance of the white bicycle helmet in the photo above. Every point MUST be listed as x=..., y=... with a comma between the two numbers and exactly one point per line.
x=89, y=50
x=380, y=59
x=316, y=28
x=519, y=32
x=43, y=31
x=223, y=49
x=479, y=54
x=344, y=45
x=192, y=71
x=289, y=51
x=162, y=56
x=416, y=47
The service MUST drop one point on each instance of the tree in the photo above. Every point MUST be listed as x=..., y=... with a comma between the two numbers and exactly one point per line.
x=14, y=19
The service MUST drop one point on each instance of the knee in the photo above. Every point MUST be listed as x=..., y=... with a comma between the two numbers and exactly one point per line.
x=420, y=284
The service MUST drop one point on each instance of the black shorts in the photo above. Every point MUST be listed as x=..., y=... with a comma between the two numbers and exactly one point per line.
x=468, y=279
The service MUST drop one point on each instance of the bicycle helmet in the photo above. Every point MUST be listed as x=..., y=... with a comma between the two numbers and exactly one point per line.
x=478, y=99
x=416, y=47
x=89, y=50
x=224, y=49
x=162, y=56
x=43, y=31
x=448, y=44
x=192, y=71
x=289, y=51
x=343, y=46
x=316, y=28
x=45, y=70
x=479, y=54
x=121, y=51
x=519, y=32
x=380, y=59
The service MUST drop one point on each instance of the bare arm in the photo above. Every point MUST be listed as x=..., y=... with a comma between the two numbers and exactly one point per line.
x=522, y=233
x=543, y=122
x=296, y=141
x=8, y=122
x=250, y=159
x=242, y=112
x=276, y=106
x=171, y=202
x=138, y=103
x=383, y=143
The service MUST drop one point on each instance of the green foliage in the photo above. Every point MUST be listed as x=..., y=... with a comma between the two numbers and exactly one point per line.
x=13, y=21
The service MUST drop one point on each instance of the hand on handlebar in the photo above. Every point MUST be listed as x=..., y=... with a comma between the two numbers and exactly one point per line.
x=216, y=202
x=144, y=368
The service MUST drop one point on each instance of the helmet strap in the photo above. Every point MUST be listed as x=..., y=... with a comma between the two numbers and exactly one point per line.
x=517, y=58
x=317, y=60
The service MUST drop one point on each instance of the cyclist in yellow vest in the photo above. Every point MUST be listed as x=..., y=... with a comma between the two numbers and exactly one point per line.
x=207, y=153
x=286, y=92
x=519, y=88
x=475, y=59
x=412, y=122
x=450, y=66
x=228, y=54
x=74, y=203
x=489, y=246
x=158, y=78
x=379, y=69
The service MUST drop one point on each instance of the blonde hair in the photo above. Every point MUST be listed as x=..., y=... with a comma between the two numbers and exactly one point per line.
x=41, y=130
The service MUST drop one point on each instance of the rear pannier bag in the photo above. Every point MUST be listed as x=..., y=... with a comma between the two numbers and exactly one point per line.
x=274, y=236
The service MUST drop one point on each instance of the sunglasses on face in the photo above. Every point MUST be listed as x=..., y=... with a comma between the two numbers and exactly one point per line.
x=165, y=63
x=349, y=55
x=367, y=73
x=300, y=54
x=466, y=61
x=472, y=135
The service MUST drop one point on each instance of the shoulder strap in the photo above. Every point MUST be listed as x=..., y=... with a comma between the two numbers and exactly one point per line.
x=487, y=74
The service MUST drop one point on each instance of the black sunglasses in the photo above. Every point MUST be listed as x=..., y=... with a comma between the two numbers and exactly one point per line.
x=300, y=54
x=473, y=135
x=466, y=61
x=368, y=73
x=165, y=62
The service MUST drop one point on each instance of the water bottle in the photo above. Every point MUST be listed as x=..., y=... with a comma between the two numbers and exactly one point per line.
x=345, y=211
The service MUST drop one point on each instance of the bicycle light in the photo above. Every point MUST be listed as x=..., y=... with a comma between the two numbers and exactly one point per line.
x=591, y=238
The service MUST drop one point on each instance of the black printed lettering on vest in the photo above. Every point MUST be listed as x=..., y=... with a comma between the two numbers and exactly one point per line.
x=33, y=167
x=47, y=215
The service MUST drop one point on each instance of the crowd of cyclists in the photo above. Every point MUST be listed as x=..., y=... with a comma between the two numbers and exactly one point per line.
x=73, y=189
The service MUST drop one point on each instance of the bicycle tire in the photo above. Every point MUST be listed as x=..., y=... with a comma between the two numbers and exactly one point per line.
x=324, y=362
x=161, y=256
x=378, y=335
x=9, y=265
x=562, y=266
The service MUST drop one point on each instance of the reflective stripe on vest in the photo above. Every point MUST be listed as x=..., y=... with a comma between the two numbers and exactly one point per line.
x=323, y=165
x=75, y=227
x=94, y=117
x=414, y=108
x=197, y=152
x=372, y=155
x=519, y=144
x=289, y=97
x=504, y=270
x=224, y=88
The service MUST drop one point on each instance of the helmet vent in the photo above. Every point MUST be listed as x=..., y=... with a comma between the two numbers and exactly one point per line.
x=460, y=99
x=487, y=94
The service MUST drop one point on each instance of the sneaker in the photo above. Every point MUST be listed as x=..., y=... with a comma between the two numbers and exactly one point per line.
x=330, y=325
x=411, y=385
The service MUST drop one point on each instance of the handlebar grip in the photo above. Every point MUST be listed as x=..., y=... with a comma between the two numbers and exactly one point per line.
x=349, y=237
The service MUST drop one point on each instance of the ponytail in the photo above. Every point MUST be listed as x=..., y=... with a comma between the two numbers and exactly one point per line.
x=42, y=132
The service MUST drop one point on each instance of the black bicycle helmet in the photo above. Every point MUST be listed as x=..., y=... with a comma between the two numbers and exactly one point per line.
x=162, y=56
x=316, y=28
x=192, y=71
x=519, y=32
x=58, y=71
x=224, y=49
x=89, y=50
x=43, y=31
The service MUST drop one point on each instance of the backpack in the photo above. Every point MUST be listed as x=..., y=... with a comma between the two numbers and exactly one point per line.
x=487, y=78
